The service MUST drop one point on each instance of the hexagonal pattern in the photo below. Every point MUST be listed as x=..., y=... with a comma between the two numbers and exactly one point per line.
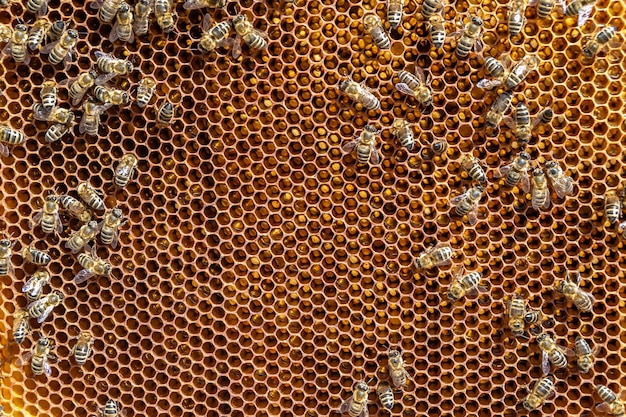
x=263, y=271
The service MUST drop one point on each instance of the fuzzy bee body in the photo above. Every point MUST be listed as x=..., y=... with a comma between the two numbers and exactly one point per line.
x=75, y=208
x=49, y=95
x=551, y=353
x=42, y=308
x=108, y=9
x=37, y=34
x=200, y=4
x=500, y=106
x=474, y=169
x=517, y=313
x=494, y=67
x=83, y=348
x=18, y=45
x=90, y=196
x=92, y=265
x=33, y=288
x=544, y=8
x=470, y=38
x=253, y=38
x=520, y=71
x=385, y=395
x=467, y=203
x=125, y=170
x=584, y=355
x=399, y=375
x=540, y=392
x=602, y=38
x=111, y=96
x=356, y=405
x=37, y=6
x=359, y=93
x=110, y=409
x=437, y=30
x=6, y=251
x=415, y=85
x=572, y=291
x=82, y=237
x=49, y=217
x=143, y=9
x=612, y=206
x=365, y=146
x=145, y=90
x=21, y=326
x=516, y=172
x=517, y=17
x=164, y=16
x=434, y=256
x=109, y=227
x=35, y=256
x=123, y=27
x=374, y=26
x=580, y=8
x=62, y=49
x=79, y=87
x=464, y=284
x=402, y=130
x=612, y=404
x=39, y=357
x=111, y=67
x=562, y=184
x=165, y=115
x=56, y=30
x=540, y=192
x=90, y=123
x=215, y=36
x=395, y=10
x=431, y=7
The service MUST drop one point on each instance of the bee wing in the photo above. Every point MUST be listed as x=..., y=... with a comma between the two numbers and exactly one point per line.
x=48, y=48
x=7, y=49
x=226, y=42
x=76, y=100
x=349, y=147
x=206, y=20
x=472, y=216
x=525, y=182
x=105, y=78
x=510, y=122
x=82, y=276
x=563, y=186
x=193, y=5
x=487, y=84
x=40, y=113
x=602, y=408
x=113, y=36
x=567, y=351
x=100, y=54
x=404, y=88
x=345, y=406
x=29, y=285
x=622, y=227
x=375, y=156
x=81, y=129
x=116, y=236
x=24, y=359
x=545, y=363
x=37, y=218
x=533, y=2
x=26, y=57
x=43, y=10
x=96, y=4
x=45, y=314
x=260, y=33
x=584, y=13
x=419, y=72
x=4, y=150
x=46, y=367
x=59, y=226
x=237, y=47
x=502, y=171
x=456, y=200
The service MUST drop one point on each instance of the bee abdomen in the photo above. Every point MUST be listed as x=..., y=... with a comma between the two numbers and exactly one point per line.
x=106, y=234
x=429, y=8
x=48, y=224
x=34, y=5
x=558, y=359
x=408, y=79
x=464, y=47
x=544, y=8
x=255, y=41
x=81, y=354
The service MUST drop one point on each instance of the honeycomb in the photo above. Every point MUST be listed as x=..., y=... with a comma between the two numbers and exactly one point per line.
x=263, y=271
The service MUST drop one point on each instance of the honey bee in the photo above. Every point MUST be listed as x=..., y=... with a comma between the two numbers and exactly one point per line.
x=469, y=37
x=37, y=34
x=165, y=115
x=111, y=96
x=516, y=172
x=21, y=326
x=359, y=93
x=123, y=27
x=385, y=395
x=474, y=168
x=110, y=409
x=109, y=227
x=463, y=285
x=365, y=145
x=545, y=116
x=92, y=266
x=612, y=405
x=582, y=8
x=416, y=86
x=49, y=217
x=200, y=4
x=56, y=132
x=437, y=30
x=399, y=375
x=252, y=37
x=6, y=249
x=621, y=229
x=6, y=32
x=510, y=78
x=35, y=256
x=215, y=36
x=145, y=90
x=48, y=95
x=543, y=389
x=83, y=348
x=82, y=237
x=37, y=6
x=62, y=50
x=75, y=208
x=432, y=7
x=38, y=357
x=601, y=39
x=544, y=7
x=33, y=288
x=90, y=122
x=90, y=196
x=56, y=30
x=402, y=130
x=57, y=115
x=42, y=308
x=356, y=405
x=439, y=146
x=374, y=26
x=17, y=46
x=562, y=184
x=81, y=85
x=500, y=106
x=394, y=12
x=521, y=124
x=572, y=291
x=111, y=67
x=467, y=203
x=125, y=170
x=108, y=9
x=552, y=353
x=10, y=136
x=438, y=255
x=612, y=206
x=540, y=197
x=143, y=9
x=534, y=316
x=516, y=315
x=517, y=18
x=584, y=355
x=164, y=16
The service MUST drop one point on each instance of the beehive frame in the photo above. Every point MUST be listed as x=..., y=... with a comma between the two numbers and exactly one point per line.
x=263, y=271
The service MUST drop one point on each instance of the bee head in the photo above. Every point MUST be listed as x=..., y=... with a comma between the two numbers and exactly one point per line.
x=72, y=34
x=477, y=21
